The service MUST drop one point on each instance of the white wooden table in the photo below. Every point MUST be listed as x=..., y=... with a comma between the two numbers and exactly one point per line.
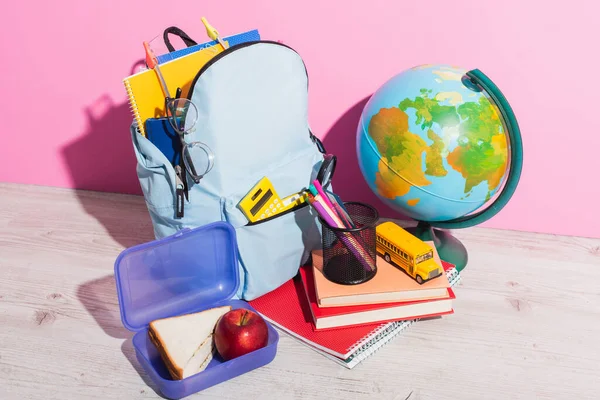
x=526, y=322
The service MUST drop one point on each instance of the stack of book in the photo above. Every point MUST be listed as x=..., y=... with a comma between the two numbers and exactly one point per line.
x=390, y=296
x=348, y=323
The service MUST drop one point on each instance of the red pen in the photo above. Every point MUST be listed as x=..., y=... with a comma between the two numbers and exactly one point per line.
x=152, y=63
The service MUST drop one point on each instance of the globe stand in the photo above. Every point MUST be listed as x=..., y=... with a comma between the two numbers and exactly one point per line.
x=449, y=248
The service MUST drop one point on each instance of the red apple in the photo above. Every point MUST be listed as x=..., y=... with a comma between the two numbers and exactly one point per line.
x=239, y=332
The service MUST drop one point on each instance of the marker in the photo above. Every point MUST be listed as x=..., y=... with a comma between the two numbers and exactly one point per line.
x=330, y=211
x=212, y=33
x=334, y=205
x=319, y=188
x=152, y=63
x=339, y=208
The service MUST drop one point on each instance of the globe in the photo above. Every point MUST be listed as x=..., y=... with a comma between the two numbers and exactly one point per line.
x=441, y=145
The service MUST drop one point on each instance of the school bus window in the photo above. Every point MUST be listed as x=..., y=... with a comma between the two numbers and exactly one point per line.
x=424, y=257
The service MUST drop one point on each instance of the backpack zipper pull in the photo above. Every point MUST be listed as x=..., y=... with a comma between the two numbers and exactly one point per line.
x=179, y=192
x=212, y=33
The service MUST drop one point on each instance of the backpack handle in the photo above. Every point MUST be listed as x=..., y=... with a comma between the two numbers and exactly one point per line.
x=177, y=32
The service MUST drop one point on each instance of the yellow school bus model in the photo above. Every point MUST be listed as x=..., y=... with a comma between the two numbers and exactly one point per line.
x=400, y=248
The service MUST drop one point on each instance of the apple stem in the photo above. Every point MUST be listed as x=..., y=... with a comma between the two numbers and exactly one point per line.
x=243, y=321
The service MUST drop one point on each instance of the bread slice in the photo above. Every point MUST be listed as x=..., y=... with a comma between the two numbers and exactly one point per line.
x=185, y=342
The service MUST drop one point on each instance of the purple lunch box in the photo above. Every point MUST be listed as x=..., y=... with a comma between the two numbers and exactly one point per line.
x=190, y=271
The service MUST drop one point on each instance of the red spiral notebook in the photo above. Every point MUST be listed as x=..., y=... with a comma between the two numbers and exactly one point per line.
x=286, y=308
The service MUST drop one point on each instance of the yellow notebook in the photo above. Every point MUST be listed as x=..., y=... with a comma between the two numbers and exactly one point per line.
x=146, y=97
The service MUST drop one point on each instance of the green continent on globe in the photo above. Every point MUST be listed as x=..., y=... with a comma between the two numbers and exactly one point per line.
x=434, y=163
x=401, y=153
x=482, y=151
x=481, y=154
x=429, y=110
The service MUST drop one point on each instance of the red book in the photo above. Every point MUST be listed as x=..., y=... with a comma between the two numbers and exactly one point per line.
x=286, y=307
x=344, y=316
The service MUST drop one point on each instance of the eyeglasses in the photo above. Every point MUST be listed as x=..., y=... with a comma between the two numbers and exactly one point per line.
x=197, y=157
x=182, y=114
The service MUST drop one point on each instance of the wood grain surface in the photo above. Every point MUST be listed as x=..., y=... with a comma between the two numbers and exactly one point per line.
x=526, y=322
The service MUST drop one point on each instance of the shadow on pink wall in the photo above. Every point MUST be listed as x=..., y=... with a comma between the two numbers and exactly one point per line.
x=348, y=181
x=102, y=159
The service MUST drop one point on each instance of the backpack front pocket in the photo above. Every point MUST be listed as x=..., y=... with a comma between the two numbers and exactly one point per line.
x=159, y=182
x=271, y=252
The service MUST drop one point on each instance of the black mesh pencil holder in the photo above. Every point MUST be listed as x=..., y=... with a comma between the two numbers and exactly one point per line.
x=349, y=255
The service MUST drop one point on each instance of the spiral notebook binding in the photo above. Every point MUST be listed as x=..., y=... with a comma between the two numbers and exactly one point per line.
x=373, y=335
x=368, y=345
x=133, y=108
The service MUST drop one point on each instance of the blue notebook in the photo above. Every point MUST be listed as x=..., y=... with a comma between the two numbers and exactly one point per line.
x=160, y=132
x=231, y=40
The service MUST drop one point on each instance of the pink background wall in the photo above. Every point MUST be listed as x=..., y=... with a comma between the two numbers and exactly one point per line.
x=65, y=117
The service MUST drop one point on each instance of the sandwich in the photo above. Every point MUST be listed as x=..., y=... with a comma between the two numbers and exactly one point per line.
x=185, y=342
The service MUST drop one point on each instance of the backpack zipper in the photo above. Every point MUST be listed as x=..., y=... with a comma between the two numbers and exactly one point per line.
x=230, y=50
x=298, y=207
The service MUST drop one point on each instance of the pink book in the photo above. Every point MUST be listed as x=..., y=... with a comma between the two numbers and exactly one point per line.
x=390, y=284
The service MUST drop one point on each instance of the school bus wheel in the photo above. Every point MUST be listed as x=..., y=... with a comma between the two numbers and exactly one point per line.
x=387, y=258
x=419, y=279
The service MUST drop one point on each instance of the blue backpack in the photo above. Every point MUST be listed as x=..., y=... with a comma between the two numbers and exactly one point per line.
x=252, y=102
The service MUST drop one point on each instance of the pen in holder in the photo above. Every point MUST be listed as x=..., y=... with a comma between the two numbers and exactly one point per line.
x=350, y=254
